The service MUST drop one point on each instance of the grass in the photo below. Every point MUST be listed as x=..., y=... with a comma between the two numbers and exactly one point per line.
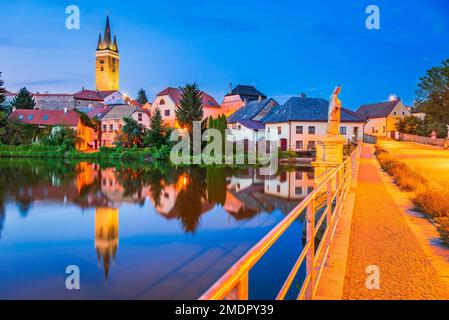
x=432, y=200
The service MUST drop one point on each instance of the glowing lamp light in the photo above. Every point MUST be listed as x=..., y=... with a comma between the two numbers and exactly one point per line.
x=392, y=97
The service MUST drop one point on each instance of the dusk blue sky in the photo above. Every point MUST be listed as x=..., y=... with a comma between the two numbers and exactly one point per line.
x=282, y=47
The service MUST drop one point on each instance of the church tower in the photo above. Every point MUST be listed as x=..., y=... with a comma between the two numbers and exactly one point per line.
x=107, y=61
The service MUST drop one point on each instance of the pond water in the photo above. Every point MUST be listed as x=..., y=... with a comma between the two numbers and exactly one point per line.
x=141, y=231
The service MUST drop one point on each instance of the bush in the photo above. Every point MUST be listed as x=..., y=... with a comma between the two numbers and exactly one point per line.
x=434, y=201
x=407, y=179
x=431, y=200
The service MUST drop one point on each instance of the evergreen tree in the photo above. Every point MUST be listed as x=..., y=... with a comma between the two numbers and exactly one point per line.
x=23, y=100
x=2, y=92
x=433, y=98
x=191, y=106
x=132, y=134
x=156, y=135
x=142, y=97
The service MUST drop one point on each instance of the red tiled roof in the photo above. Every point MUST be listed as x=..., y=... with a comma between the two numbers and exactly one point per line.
x=98, y=111
x=46, y=117
x=93, y=95
x=175, y=94
x=135, y=103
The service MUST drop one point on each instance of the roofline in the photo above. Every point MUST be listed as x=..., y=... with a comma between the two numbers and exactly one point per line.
x=320, y=121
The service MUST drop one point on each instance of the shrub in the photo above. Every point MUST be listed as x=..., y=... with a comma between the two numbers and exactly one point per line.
x=434, y=201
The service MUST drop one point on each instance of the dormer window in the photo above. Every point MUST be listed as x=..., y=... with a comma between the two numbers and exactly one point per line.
x=162, y=102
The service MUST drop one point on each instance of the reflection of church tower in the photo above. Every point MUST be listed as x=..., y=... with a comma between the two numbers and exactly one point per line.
x=107, y=61
x=106, y=235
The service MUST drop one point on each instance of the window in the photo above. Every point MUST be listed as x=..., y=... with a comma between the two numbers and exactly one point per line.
x=299, y=145
x=312, y=130
x=102, y=69
x=279, y=130
x=309, y=190
x=104, y=127
x=299, y=129
x=111, y=127
x=104, y=142
x=45, y=117
x=298, y=175
x=278, y=189
x=372, y=130
x=30, y=117
x=343, y=130
x=162, y=102
x=239, y=127
x=394, y=113
x=101, y=61
x=139, y=117
x=311, y=145
x=269, y=129
x=21, y=117
x=120, y=127
x=167, y=113
x=298, y=191
x=384, y=129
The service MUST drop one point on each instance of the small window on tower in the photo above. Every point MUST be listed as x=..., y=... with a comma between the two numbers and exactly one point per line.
x=102, y=69
x=101, y=61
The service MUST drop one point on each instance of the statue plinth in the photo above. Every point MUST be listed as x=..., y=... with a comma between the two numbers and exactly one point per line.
x=329, y=155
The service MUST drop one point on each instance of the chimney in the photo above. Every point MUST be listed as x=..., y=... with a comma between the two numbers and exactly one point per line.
x=260, y=99
x=245, y=102
x=13, y=108
x=230, y=87
x=302, y=95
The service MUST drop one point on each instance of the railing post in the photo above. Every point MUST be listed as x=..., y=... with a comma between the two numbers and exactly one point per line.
x=242, y=289
x=310, y=257
x=329, y=215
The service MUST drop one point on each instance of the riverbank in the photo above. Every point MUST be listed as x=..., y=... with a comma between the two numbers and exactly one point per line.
x=142, y=155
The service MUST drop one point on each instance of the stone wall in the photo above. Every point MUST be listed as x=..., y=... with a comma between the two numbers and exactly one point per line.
x=420, y=139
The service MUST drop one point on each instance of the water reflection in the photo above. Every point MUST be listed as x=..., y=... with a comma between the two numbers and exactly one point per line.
x=184, y=195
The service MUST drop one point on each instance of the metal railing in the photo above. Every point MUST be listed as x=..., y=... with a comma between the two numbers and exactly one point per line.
x=322, y=209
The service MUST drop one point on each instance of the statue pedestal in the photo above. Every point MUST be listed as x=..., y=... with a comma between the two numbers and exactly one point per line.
x=329, y=154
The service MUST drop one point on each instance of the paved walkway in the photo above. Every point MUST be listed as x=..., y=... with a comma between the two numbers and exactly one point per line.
x=380, y=236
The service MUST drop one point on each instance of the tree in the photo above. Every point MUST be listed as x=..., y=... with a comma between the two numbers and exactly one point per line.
x=190, y=106
x=23, y=100
x=142, y=97
x=157, y=134
x=433, y=98
x=2, y=92
x=132, y=134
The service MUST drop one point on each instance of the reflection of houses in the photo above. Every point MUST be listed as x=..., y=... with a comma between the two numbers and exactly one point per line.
x=106, y=236
x=295, y=185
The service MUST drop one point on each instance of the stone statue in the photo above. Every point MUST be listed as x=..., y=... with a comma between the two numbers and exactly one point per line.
x=333, y=124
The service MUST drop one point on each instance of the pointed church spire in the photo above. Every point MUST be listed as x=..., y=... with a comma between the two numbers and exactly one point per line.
x=100, y=42
x=114, y=46
x=107, y=43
